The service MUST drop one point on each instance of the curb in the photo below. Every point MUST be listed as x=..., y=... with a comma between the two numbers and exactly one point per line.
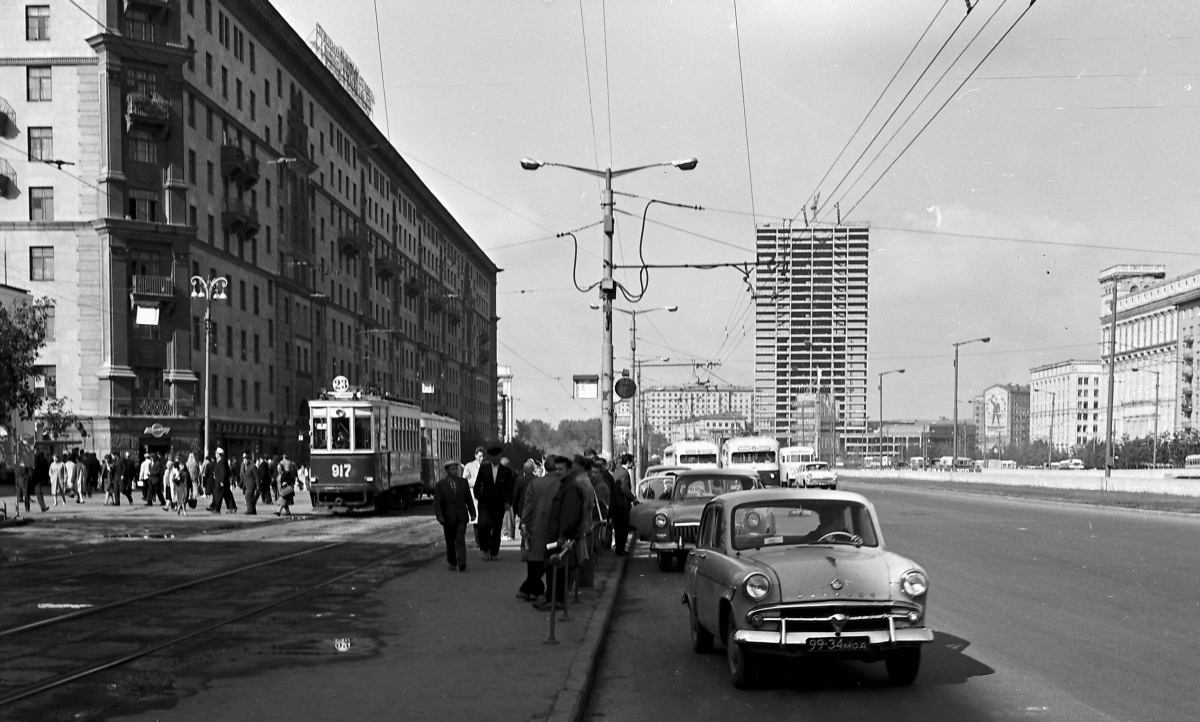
x=572, y=699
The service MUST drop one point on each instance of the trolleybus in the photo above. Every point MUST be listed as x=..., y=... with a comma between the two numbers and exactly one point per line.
x=757, y=453
x=692, y=454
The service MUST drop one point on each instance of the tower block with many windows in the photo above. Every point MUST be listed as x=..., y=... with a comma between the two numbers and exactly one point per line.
x=810, y=329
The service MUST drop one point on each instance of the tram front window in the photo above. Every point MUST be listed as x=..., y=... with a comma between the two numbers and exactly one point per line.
x=340, y=431
x=320, y=435
x=362, y=429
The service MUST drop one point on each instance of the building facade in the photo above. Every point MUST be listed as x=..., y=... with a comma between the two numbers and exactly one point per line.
x=810, y=330
x=662, y=407
x=204, y=139
x=711, y=427
x=1001, y=416
x=506, y=423
x=1156, y=325
x=1066, y=401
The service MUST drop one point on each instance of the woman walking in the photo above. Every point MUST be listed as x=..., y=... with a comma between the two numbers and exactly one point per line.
x=107, y=481
x=58, y=479
x=182, y=480
x=287, y=493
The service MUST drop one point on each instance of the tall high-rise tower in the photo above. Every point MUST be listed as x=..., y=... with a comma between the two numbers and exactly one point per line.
x=810, y=329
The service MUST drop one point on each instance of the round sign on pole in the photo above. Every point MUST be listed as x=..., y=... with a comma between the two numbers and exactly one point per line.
x=625, y=387
x=341, y=384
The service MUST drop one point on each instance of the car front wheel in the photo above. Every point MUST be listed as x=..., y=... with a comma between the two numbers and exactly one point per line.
x=903, y=665
x=702, y=639
x=666, y=562
x=743, y=664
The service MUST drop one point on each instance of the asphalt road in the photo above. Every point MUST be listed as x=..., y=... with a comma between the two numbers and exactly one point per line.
x=1041, y=611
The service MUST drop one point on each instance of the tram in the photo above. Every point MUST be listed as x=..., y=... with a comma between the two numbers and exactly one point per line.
x=441, y=441
x=365, y=450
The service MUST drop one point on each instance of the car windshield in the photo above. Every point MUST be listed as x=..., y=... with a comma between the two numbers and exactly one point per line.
x=816, y=466
x=656, y=487
x=781, y=523
x=706, y=487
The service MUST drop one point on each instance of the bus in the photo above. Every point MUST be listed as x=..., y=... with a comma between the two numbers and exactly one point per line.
x=1191, y=468
x=791, y=458
x=365, y=450
x=757, y=453
x=692, y=454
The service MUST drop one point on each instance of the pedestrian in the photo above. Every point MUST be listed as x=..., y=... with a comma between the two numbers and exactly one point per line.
x=470, y=472
x=493, y=491
x=535, y=517
x=508, y=527
x=193, y=469
x=519, y=486
x=206, y=476
x=128, y=474
x=154, y=479
x=563, y=524
x=41, y=476
x=623, y=500
x=302, y=476
x=584, y=547
x=58, y=479
x=183, y=485
x=221, y=484
x=249, y=478
x=168, y=488
x=266, y=483
x=91, y=466
x=144, y=475
x=74, y=476
x=454, y=509
x=287, y=494
x=27, y=482
x=107, y=482
x=602, y=483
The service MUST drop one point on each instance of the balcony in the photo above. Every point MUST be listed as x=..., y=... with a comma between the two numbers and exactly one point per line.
x=8, y=117
x=154, y=407
x=413, y=286
x=150, y=110
x=237, y=217
x=387, y=267
x=156, y=287
x=8, y=178
x=156, y=7
x=251, y=174
x=352, y=242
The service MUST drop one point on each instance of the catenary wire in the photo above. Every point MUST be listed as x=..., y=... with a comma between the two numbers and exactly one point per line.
x=737, y=30
x=387, y=116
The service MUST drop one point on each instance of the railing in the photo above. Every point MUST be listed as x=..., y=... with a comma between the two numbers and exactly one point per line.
x=147, y=108
x=8, y=177
x=352, y=242
x=236, y=216
x=158, y=286
x=148, y=406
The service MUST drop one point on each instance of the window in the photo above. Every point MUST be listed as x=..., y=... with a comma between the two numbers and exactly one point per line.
x=256, y=303
x=257, y=358
x=49, y=313
x=192, y=168
x=257, y=387
x=229, y=342
x=41, y=204
x=209, y=180
x=143, y=205
x=242, y=295
x=212, y=239
x=252, y=57
x=142, y=147
x=278, y=83
x=138, y=25
x=267, y=92
x=208, y=75
x=243, y=336
x=45, y=382
x=37, y=22
x=38, y=89
x=224, y=82
x=253, y=107
x=243, y=394
x=229, y=391
x=141, y=81
x=41, y=144
x=208, y=21
x=41, y=263
x=191, y=111
x=237, y=93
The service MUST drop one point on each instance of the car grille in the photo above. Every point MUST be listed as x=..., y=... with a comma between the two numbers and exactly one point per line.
x=821, y=617
x=687, y=533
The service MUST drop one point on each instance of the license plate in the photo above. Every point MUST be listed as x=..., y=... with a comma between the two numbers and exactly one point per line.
x=837, y=644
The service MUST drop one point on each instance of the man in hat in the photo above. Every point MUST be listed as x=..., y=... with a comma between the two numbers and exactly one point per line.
x=221, y=484
x=493, y=491
x=454, y=509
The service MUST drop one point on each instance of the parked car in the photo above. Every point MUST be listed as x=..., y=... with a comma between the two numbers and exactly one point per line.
x=800, y=572
x=653, y=493
x=815, y=474
x=676, y=521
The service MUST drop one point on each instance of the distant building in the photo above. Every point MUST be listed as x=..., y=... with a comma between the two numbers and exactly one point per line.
x=713, y=427
x=814, y=424
x=903, y=439
x=1157, y=324
x=810, y=327
x=1066, y=401
x=506, y=423
x=1001, y=416
x=664, y=406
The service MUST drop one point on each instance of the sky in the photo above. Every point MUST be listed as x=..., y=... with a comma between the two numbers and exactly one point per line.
x=1072, y=148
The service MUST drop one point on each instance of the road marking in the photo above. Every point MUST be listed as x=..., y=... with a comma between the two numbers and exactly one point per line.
x=62, y=605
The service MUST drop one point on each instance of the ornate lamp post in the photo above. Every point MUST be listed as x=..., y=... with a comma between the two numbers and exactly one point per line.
x=210, y=289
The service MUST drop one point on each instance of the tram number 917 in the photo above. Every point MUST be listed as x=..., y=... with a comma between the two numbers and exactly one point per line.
x=341, y=471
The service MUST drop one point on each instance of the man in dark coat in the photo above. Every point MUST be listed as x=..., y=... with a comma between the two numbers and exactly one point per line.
x=454, y=509
x=493, y=491
x=623, y=500
x=249, y=478
x=154, y=482
x=566, y=518
x=221, y=484
x=266, y=481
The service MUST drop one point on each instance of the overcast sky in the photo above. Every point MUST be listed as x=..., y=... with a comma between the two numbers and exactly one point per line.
x=1078, y=135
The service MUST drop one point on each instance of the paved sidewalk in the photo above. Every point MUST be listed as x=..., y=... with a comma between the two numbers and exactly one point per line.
x=457, y=646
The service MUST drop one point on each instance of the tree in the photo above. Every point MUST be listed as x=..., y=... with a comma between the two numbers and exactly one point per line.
x=22, y=335
x=57, y=418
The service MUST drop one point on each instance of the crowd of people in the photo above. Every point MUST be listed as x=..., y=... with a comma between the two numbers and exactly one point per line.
x=171, y=481
x=564, y=510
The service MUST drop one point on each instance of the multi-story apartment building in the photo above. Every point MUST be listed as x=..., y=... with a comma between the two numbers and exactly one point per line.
x=1066, y=402
x=810, y=330
x=1001, y=416
x=710, y=427
x=1157, y=321
x=162, y=141
x=662, y=407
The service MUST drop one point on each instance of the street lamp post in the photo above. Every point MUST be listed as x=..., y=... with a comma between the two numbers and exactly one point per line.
x=1154, y=442
x=210, y=290
x=881, y=375
x=608, y=289
x=635, y=444
x=985, y=339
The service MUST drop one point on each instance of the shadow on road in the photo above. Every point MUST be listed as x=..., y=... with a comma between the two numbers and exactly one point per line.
x=945, y=661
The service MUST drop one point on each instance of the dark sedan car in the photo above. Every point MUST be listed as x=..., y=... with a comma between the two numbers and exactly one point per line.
x=677, y=521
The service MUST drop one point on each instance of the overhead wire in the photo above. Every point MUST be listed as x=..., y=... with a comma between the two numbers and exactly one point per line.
x=737, y=29
x=387, y=116
x=873, y=106
x=558, y=379
x=945, y=103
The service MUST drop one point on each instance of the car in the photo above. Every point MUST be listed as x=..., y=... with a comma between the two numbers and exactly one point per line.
x=803, y=572
x=677, y=520
x=815, y=474
x=653, y=493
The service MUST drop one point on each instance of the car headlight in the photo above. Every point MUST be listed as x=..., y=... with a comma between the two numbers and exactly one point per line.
x=660, y=521
x=914, y=583
x=757, y=585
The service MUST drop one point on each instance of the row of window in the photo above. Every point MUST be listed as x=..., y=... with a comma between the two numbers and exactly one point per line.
x=215, y=393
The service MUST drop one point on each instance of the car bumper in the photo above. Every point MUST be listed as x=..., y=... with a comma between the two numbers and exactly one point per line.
x=670, y=546
x=878, y=638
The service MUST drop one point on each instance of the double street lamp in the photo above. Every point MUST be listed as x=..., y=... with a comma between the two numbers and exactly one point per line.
x=985, y=339
x=881, y=375
x=210, y=289
x=608, y=288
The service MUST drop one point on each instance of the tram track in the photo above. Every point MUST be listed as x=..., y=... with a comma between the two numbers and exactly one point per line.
x=414, y=551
